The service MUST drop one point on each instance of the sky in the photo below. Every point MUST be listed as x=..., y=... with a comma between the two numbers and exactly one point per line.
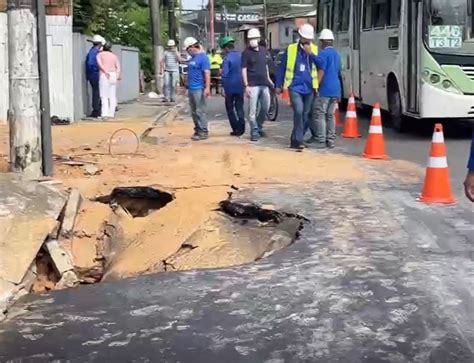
x=192, y=4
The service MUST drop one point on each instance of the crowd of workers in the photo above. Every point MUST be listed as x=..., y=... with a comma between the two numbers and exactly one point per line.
x=309, y=75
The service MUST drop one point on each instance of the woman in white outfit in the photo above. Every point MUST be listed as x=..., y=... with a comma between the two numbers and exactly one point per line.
x=109, y=66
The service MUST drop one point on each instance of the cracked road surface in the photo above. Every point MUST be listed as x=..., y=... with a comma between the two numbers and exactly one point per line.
x=374, y=277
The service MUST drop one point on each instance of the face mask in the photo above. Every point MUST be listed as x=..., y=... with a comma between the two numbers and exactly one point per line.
x=253, y=43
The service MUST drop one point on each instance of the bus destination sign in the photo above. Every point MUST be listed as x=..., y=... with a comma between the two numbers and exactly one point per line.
x=445, y=36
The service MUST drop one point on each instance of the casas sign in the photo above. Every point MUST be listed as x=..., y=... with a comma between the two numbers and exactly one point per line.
x=239, y=18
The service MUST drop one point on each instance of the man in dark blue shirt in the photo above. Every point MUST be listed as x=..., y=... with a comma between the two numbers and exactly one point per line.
x=233, y=86
x=199, y=87
x=93, y=74
x=329, y=91
x=469, y=183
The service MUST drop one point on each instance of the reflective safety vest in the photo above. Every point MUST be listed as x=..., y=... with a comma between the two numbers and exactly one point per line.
x=216, y=61
x=291, y=63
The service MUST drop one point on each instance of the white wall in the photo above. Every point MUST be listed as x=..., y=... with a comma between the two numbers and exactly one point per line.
x=61, y=85
x=4, y=99
x=59, y=38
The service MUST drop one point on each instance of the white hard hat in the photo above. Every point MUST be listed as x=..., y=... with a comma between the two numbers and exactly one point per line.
x=98, y=39
x=253, y=33
x=306, y=31
x=189, y=41
x=326, y=34
x=171, y=43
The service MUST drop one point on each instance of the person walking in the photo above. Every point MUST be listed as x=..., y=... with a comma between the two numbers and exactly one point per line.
x=199, y=87
x=216, y=63
x=469, y=182
x=109, y=66
x=170, y=71
x=298, y=72
x=256, y=79
x=329, y=92
x=233, y=87
x=93, y=74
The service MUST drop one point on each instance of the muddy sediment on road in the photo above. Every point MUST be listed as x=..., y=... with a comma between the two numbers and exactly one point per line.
x=178, y=222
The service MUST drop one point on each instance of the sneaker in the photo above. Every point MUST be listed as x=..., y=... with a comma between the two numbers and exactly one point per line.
x=320, y=145
x=233, y=133
x=331, y=144
x=311, y=140
x=254, y=138
x=262, y=133
x=298, y=147
x=199, y=137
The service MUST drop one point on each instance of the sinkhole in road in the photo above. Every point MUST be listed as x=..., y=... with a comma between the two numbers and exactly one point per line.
x=143, y=232
x=139, y=201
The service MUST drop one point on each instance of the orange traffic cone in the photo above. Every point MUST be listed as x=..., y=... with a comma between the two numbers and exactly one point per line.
x=375, y=147
x=437, y=188
x=351, y=125
x=337, y=115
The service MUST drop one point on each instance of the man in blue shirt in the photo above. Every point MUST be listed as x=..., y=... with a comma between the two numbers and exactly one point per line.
x=298, y=72
x=199, y=87
x=469, y=183
x=329, y=92
x=92, y=74
x=233, y=86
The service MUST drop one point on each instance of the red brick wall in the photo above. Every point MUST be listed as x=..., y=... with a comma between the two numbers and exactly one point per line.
x=58, y=7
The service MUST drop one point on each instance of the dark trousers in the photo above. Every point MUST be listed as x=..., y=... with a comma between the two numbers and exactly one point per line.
x=302, y=107
x=96, y=107
x=234, y=105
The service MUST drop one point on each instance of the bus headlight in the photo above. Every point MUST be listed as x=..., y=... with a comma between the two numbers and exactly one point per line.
x=426, y=73
x=447, y=84
x=435, y=78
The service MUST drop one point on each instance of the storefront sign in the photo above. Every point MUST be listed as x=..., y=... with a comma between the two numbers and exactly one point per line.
x=239, y=18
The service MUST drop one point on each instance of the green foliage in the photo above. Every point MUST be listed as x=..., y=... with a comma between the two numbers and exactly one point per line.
x=125, y=22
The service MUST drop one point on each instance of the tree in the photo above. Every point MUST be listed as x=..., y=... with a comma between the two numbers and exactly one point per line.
x=125, y=22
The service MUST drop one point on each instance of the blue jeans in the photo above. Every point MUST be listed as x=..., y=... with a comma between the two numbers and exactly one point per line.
x=171, y=80
x=259, y=99
x=302, y=108
x=234, y=105
x=198, y=104
x=325, y=121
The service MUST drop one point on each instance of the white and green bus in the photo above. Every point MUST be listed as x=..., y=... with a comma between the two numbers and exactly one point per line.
x=415, y=57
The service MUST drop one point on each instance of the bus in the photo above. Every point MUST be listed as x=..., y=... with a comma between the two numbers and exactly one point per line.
x=414, y=57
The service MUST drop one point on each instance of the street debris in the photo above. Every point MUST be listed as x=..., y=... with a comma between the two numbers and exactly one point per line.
x=70, y=212
x=91, y=169
x=56, y=121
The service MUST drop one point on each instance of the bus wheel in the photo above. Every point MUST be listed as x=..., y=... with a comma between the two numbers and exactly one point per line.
x=395, y=109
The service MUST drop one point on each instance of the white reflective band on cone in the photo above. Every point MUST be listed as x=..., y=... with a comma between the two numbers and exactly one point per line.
x=351, y=114
x=438, y=138
x=376, y=112
x=375, y=129
x=352, y=100
x=437, y=162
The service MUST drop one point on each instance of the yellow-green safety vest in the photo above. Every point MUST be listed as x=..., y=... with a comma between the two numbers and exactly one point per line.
x=291, y=62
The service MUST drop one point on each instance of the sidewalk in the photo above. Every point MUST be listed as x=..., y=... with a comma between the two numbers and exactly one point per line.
x=375, y=275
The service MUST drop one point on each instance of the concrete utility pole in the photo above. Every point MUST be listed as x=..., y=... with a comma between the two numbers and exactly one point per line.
x=171, y=20
x=211, y=24
x=155, y=14
x=24, y=113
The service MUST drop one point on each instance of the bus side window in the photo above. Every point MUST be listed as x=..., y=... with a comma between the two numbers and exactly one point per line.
x=380, y=13
x=367, y=22
x=395, y=7
x=346, y=10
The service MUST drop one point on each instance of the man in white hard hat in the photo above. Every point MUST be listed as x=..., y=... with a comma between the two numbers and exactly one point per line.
x=93, y=74
x=329, y=92
x=170, y=71
x=256, y=79
x=298, y=73
x=199, y=87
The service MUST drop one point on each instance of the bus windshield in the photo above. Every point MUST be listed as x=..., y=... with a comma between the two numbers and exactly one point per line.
x=450, y=27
